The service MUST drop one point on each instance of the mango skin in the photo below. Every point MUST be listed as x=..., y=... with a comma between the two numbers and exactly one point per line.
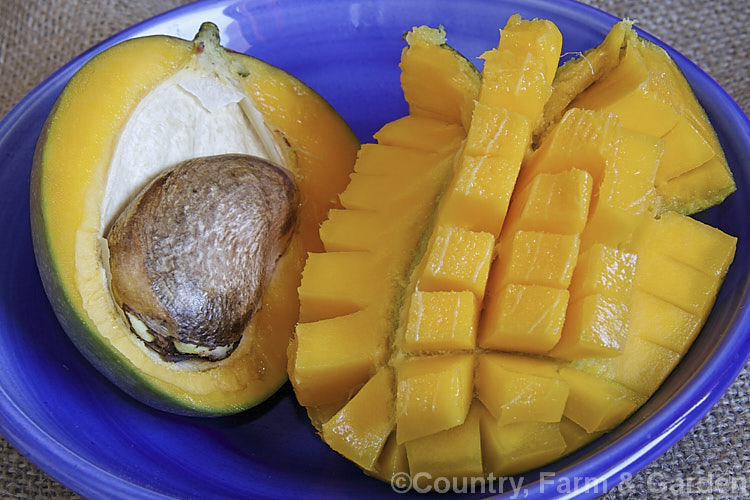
x=325, y=149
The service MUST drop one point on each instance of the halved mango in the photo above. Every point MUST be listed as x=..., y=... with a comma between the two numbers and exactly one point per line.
x=68, y=184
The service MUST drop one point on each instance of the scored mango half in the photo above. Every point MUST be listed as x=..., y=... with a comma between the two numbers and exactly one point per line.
x=510, y=276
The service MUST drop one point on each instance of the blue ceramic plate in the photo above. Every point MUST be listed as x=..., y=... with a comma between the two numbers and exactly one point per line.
x=88, y=435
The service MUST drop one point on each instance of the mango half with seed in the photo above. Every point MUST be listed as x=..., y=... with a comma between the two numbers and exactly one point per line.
x=176, y=190
x=512, y=273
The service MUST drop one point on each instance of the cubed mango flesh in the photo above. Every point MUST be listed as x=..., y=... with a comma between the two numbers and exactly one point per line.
x=457, y=260
x=684, y=150
x=455, y=452
x=604, y=270
x=641, y=367
x=392, y=460
x=421, y=133
x=574, y=435
x=536, y=258
x=514, y=448
x=441, y=321
x=675, y=282
x=432, y=394
x=437, y=81
x=689, y=241
x=479, y=195
x=333, y=357
x=595, y=326
x=515, y=389
x=337, y=283
x=596, y=404
x=497, y=132
x=523, y=318
x=583, y=139
x=360, y=429
x=552, y=203
x=662, y=323
x=520, y=303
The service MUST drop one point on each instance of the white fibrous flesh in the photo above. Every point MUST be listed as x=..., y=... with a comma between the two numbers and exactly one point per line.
x=193, y=113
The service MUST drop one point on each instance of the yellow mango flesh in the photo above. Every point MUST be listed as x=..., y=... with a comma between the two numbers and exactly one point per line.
x=455, y=452
x=333, y=357
x=420, y=133
x=515, y=448
x=550, y=293
x=457, y=260
x=523, y=318
x=437, y=81
x=520, y=389
x=432, y=394
x=360, y=429
x=70, y=177
x=596, y=404
x=534, y=258
x=552, y=203
x=646, y=90
x=441, y=321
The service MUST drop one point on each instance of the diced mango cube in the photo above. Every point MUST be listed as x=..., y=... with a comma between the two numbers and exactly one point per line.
x=583, y=139
x=684, y=150
x=455, y=452
x=374, y=192
x=441, y=321
x=535, y=258
x=624, y=91
x=359, y=430
x=515, y=448
x=523, y=318
x=437, y=83
x=421, y=133
x=574, y=435
x=629, y=75
x=710, y=183
x=644, y=111
x=596, y=404
x=605, y=270
x=540, y=37
x=400, y=164
x=689, y=241
x=552, y=203
x=457, y=260
x=698, y=189
x=662, y=323
x=338, y=283
x=392, y=460
x=675, y=282
x=595, y=326
x=515, y=81
x=433, y=394
x=513, y=389
x=627, y=192
x=642, y=366
x=479, y=194
x=335, y=356
x=363, y=230
x=497, y=132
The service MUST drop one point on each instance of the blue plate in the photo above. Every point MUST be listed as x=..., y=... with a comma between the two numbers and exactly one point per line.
x=70, y=421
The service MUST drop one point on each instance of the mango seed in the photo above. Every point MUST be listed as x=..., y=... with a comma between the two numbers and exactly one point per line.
x=191, y=255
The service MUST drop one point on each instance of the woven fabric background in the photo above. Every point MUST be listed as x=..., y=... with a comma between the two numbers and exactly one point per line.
x=40, y=36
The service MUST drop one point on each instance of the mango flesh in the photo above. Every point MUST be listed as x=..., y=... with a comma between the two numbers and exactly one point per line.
x=550, y=290
x=68, y=184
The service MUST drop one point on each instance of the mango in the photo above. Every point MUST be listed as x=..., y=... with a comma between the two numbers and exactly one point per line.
x=540, y=292
x=127, y=116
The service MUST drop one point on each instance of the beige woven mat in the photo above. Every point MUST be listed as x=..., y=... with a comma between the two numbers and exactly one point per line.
x=40, y=36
